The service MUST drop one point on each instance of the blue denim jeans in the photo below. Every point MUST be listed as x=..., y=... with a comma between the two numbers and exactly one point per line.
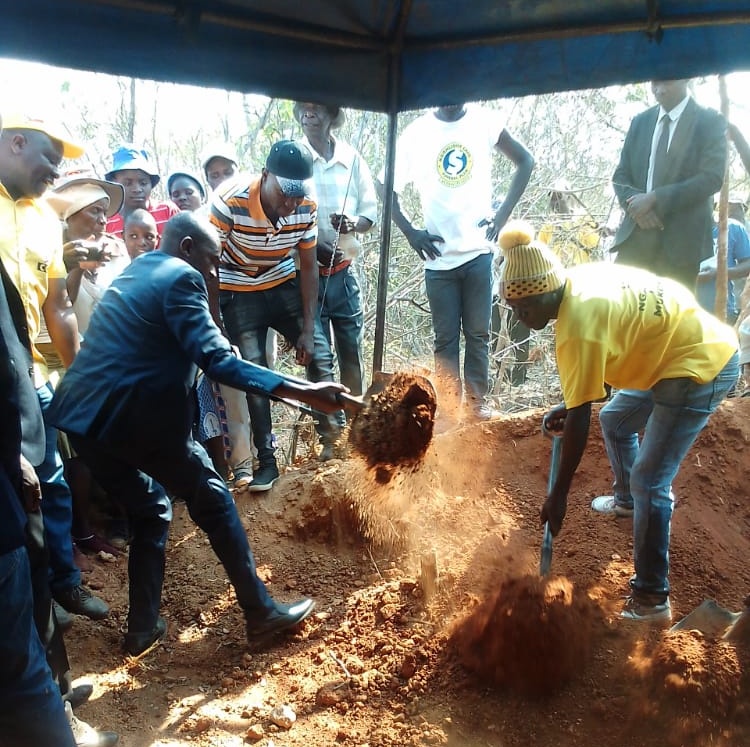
x=461, y=300
x=247, y=316
x=340, y=309
x=671, y=415
x=135, y=481
x=58, y=505
x=31, y=708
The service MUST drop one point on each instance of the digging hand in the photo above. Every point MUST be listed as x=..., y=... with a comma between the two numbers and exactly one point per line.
x=323, y=396
x=554, y=420
x=553, y=511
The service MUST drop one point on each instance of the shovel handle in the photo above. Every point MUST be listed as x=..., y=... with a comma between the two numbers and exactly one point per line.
x=350, y=402
x=545, y=560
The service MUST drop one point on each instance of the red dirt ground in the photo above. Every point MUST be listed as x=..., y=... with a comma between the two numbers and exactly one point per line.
x=398, y=569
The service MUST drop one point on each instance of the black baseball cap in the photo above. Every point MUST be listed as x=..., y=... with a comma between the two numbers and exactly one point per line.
x=292, y=165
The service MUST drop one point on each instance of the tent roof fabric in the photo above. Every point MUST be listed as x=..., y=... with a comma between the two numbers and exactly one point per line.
x=385, y=55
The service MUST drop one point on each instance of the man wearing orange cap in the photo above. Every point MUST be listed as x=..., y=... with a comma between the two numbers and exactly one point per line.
x=672, y=363
x=31, y=251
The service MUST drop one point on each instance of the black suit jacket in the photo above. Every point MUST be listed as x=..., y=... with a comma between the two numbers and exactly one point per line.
x=695, y=170
x=21, y=427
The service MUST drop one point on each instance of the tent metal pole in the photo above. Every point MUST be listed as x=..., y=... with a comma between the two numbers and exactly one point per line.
x=394, y=94
x=385, y=244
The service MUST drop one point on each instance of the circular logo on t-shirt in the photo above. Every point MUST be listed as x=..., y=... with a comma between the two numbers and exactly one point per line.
x=454, y=165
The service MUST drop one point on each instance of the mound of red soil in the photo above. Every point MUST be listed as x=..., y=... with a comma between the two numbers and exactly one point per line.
x=373, y=664
x=688, y=688
x=701, y=676
x=532, y=637
x=395, y=428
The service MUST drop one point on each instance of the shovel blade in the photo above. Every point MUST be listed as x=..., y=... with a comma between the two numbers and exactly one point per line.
x=709, y=618
x=545, y=561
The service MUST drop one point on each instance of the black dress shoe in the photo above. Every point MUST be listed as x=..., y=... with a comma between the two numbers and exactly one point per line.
x=63, y=617
x=283, y=617
x=78, y=695
x=136, y=643
x=86, y=735
x=80, y=601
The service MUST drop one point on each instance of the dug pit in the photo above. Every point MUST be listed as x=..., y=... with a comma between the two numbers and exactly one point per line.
x=532, y=637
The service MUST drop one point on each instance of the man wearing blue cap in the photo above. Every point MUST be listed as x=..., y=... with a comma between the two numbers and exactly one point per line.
x=260, y=225
x=132, y=169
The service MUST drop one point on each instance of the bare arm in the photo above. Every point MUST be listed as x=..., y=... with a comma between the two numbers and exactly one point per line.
x=524, y=163
x=575, y=435
x=308, y=274
x=421, y=241
x=743, y=149
x=61, y=321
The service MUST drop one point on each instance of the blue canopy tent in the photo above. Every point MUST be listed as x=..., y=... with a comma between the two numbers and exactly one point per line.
x=385, y=55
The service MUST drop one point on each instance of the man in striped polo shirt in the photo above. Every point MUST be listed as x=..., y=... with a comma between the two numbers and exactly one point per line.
x=261, y=224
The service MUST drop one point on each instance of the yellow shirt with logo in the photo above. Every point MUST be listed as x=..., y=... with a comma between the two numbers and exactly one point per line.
x=629, y=328
x=31, y=251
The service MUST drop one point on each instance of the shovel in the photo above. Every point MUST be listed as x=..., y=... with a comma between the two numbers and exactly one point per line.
x=347, y=401
x=710, y=619
x=392, y=423
x=545, y=560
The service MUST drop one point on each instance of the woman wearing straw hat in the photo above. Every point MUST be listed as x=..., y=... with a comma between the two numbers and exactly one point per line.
x=93, y=258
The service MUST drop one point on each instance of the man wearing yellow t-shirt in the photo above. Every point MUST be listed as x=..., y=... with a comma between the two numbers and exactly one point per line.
x=31, y=251
x=672, y=363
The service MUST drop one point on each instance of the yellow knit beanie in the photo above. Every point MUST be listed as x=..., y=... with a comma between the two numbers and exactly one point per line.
x=530, y=268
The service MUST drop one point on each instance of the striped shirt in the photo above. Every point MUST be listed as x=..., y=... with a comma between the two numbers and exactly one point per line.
x=255, y=254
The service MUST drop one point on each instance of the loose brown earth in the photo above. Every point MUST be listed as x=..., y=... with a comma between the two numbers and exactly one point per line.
x=395, y=428
x=432, y=627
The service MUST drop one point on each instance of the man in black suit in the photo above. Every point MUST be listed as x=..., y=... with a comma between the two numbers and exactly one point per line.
x=671, y=165
x=126, y=404
x=34, y=668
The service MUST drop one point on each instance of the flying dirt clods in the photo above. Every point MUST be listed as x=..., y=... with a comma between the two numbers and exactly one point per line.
x=395, y=427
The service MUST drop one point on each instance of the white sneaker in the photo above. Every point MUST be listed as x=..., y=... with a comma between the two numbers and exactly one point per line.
x=86, y=735
x=243, y=474
x=605, y=504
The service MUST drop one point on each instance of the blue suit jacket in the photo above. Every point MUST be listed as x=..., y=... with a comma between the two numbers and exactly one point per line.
x=694, y=172
x=130, y=384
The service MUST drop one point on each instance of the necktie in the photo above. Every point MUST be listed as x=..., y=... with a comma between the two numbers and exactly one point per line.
x=660, y=155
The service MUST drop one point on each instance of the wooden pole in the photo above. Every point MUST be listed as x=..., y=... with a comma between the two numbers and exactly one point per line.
x=720, y=306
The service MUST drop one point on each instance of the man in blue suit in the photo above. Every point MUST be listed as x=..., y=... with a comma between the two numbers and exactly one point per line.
x=672, y=163
x=126, y=404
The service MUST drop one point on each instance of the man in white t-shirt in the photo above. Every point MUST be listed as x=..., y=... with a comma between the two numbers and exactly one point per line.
x=447, y=154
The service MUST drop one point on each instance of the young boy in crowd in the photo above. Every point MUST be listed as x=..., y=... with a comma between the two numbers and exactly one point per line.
x=140, y=233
